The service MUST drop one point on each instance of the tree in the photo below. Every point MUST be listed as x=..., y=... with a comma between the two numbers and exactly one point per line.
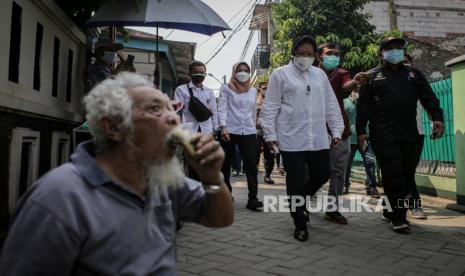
x=342, y=21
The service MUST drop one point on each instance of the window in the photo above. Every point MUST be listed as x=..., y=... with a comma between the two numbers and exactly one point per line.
x=69, y=78
x=15, y=42
x=24, y=163
x=39, y=36
x=56, y=63
x=60, y=148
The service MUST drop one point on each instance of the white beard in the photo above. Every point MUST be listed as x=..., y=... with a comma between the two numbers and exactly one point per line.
x=167, y=175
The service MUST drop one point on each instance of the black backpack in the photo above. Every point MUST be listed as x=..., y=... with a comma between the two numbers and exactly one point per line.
x=200, y=112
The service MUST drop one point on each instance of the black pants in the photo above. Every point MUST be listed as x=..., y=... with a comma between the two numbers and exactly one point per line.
x=267, y=154
x=414, y=197
x=297, y=164
x=248, y=149
x=398, y=162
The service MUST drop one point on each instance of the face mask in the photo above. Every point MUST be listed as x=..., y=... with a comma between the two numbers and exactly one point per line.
x=109, y=57
x=242, y=76
x=394, y=56
x=303, y=63
x=197, y=78
x=331, y=62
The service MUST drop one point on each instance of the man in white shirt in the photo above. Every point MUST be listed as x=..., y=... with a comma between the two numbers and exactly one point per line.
x=299, y=103
x=197, y=72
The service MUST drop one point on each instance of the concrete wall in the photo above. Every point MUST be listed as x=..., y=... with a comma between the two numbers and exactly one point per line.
x=21, y=96
x=421, y=18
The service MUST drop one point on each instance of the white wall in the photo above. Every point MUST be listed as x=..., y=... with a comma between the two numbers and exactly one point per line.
x=21, y=96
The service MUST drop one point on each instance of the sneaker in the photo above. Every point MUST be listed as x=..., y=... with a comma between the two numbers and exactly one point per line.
x=282, y=172
x=335, y=217
x=238, y=173
x=417, y=213
x=268, y=180
x=346, y=190
x=254, y=204
x=373, y=192
x=399, y=226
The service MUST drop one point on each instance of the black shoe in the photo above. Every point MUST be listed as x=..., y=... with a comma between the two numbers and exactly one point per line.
x=301, y=233
x=254, y=204
x=268, y=180
x=346, y=190
x=373, y=192
x=335, y=217
x=400, y=226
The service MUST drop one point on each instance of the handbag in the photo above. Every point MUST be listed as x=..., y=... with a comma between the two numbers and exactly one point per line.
x=200, y=112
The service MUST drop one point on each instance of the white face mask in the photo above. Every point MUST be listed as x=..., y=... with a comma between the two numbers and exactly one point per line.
x=242, y=76
x=303, y=63
x=109, y=57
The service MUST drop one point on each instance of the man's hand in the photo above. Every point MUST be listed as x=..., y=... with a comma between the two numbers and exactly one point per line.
x=335, y=142
x=438, y=130
x=224, y=134
x=362, y=139
x=360, y=78
x=271, y=145
x=208, y=159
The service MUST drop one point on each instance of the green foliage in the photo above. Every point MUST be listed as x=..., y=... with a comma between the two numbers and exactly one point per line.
x=341, y=21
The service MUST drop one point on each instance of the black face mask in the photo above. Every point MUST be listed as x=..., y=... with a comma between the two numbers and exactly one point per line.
x=197, y=78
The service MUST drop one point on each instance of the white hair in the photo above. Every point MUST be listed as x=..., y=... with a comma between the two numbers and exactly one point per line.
x=110, y=99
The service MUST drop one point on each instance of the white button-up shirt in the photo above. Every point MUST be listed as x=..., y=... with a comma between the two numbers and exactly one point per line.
x=297, y=107
x=207, y=97
x=238, y=111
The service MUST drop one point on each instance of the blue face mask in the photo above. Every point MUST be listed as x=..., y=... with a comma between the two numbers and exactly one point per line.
x=394, y=56
x=331, y=62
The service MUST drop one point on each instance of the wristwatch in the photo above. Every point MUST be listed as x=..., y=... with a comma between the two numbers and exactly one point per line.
x=213, y=188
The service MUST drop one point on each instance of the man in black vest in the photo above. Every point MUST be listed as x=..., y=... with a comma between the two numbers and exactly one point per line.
x=388, y=101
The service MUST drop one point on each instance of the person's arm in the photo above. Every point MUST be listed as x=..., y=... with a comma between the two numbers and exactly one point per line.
x=222, y=106
x=430, y=103
x=271, y=107
x=349, y=84
x=333, y=112
x=363, y=112
x=214, y=109
x=254, y=112
x=39, y=243
x=218, y=208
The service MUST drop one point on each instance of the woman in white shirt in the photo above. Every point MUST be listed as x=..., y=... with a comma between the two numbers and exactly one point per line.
x=237, y=120
x=299, y=103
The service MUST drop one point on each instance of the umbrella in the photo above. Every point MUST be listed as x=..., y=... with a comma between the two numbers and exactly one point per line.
x=188, y=15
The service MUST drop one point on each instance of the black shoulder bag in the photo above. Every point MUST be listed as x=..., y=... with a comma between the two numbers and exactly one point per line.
x=200, y=112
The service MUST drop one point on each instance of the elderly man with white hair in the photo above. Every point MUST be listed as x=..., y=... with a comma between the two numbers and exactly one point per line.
x=112, y=210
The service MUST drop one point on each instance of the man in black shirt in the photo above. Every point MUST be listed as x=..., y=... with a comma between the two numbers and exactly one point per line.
x=388, y=101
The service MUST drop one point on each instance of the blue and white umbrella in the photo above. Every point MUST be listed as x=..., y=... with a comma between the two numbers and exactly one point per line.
x=188, y=15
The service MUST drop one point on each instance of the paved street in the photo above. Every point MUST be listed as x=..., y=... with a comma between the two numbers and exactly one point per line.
x=262, y=243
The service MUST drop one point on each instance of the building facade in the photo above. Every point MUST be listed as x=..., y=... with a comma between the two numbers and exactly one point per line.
x=41, y=86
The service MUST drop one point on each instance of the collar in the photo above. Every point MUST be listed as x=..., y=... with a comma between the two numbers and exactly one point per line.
x=192, y=85
x=84, y=161
x=386, y=66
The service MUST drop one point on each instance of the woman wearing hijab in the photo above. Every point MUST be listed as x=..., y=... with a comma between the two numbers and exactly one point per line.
x=237, y=120
x=299, y=103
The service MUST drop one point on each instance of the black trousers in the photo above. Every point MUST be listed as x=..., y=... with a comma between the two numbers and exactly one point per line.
x=267, y=154
x=248, y=148
x=413, y=197
x=298, y=164
x=398, y=162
